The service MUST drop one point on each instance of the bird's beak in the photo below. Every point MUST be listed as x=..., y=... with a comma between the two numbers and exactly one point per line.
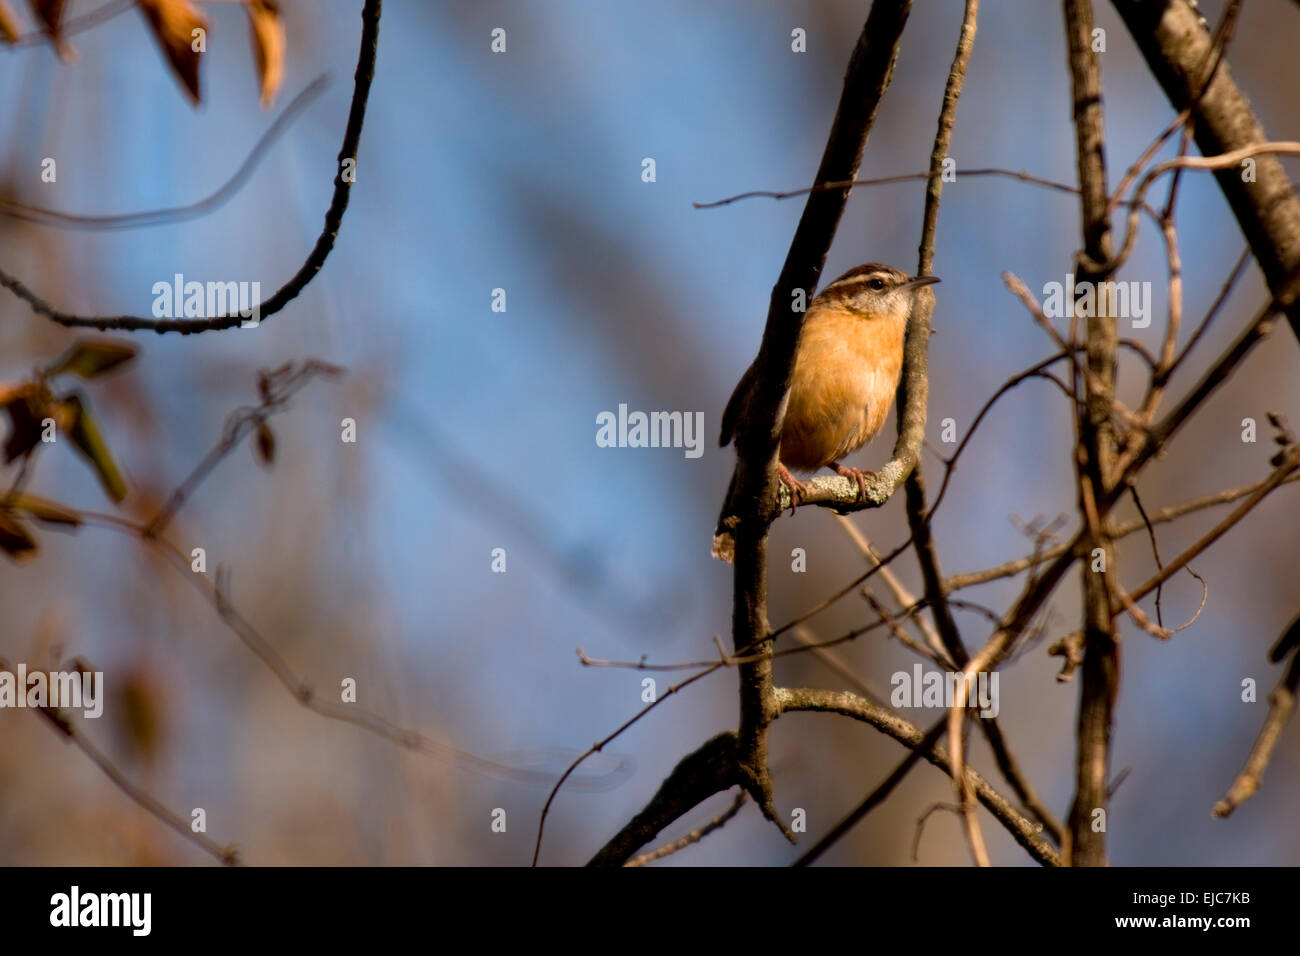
x=918, y=282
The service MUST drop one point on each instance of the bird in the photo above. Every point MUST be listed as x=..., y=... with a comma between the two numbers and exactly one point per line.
x=847, y=366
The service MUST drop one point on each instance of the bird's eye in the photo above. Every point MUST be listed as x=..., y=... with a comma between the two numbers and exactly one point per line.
x=876, y=285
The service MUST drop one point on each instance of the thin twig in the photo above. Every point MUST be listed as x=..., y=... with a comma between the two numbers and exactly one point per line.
x=695, y=836
x=1011, y=568
x=153, y=217
x=61, y=721
x=277, y=387
x=923, y=745
x=1281, y=705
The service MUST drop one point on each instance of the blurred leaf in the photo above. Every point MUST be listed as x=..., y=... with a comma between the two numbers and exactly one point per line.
x=93, y=357
x=42, y=509
x=268, y=45
x=85, y=435
x=265, y=445
x=26, y=406
x=142, y=709
x=8, y=23
x=14, y=539
x=173, y=23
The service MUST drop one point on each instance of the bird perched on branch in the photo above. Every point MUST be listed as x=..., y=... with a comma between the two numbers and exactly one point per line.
x=846, y=371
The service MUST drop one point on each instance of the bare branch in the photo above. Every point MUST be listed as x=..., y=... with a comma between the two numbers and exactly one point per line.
x=710, y=769
x=1267, y=210
x=695, y=836
x=1281, y=704
x=315, y=259
x=1164, y=515
x=924, y=745
x=59, y=719
x=153, y=217
x=1095, y=451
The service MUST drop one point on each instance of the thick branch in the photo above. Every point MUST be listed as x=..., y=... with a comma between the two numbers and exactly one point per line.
x=1095, y=452
x=1176, y=48
x=709, y=770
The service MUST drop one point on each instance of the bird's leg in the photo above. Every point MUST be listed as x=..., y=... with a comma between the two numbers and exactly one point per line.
x=797, y=489
x=857, y=474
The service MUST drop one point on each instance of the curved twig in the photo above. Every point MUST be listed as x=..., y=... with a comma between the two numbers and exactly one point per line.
x=343, y=179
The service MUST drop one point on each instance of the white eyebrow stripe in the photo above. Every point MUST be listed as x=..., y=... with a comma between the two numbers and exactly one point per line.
x=865, y=277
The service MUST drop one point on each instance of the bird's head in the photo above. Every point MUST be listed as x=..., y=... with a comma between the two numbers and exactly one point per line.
x=874, y=291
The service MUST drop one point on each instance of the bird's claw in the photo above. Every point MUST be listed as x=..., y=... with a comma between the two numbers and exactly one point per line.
x=795, y=486
x=858, y=475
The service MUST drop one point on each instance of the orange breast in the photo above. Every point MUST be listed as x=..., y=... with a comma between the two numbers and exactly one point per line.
x=846, y=373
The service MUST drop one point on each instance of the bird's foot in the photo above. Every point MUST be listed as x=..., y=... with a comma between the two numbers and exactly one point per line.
x=796, y=487
x=858, y=475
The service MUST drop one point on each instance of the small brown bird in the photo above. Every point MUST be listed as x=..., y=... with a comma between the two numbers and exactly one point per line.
x=849, y=359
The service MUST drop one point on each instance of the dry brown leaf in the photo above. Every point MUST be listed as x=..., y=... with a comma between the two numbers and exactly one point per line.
x=15, y=541
x=268, y=45
x=173, y=23
x=27, y=407
x=8, y=23
x=86, y=438
x=265, y=445
x=91, y=358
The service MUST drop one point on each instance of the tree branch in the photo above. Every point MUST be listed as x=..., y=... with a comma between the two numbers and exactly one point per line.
x=1095, y=452
x=315, y=259
x=1281, y=704
x=710, y=769
x=1026, y=832
x=1176, y=49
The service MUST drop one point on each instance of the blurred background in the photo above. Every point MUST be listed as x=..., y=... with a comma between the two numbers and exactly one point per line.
x=476, y=429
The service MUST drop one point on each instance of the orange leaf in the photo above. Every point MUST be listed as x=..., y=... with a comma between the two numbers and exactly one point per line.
x=268, y=45
x=182, y=31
